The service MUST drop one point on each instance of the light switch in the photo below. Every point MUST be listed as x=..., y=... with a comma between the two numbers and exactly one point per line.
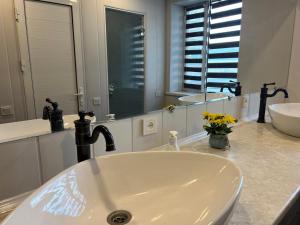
x=158, y=94
x=150, y=126
x=6, y=110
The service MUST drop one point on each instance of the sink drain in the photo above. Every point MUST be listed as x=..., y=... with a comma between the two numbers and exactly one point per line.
x=119, y=217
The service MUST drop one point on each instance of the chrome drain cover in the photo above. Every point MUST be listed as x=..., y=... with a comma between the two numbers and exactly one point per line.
x=119, y=217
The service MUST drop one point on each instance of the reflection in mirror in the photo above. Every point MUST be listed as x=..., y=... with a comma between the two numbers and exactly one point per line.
x=48, y=40
x=209, y=56
x=125, y=52
x=134, y=56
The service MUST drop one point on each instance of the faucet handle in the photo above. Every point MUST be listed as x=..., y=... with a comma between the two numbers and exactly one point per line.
x=268, y=84
x=54, y=104
x=82, y=115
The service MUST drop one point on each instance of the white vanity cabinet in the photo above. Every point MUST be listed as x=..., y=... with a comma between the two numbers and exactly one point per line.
x=19, y=167
x=57, y=153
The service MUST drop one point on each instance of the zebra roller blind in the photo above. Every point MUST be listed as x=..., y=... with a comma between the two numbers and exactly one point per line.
x=223, y=34
x=194, y=38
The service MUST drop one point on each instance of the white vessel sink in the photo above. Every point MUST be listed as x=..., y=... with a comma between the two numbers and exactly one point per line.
x=200, y=98
x=286, y=117
x=157, y=188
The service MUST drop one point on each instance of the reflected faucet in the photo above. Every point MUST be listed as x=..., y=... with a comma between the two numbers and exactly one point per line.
x=54, y=115
x=263, y=99
x=232, y=84
x=84, y=138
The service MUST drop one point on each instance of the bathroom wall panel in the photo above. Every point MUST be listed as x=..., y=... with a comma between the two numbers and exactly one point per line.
x=11, y=85
x=175, y=17
x=19, y=167
x=57, y=153
x=96, y=52
x=215, y=107
x=194, y=119
x=122, y=133
x=174, y=121
x=265, y=45
x=294, y=78
x=233, y=106
x=141, y=142
x=254, y=99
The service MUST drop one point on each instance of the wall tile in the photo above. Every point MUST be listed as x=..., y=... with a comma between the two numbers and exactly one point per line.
x=194, y=119
x=122, y=133
x=58, y=152
x=233, y=106
x=174, y=121
x=254, y=99
x=19, y=167
x=141, y=142
x=244, y=101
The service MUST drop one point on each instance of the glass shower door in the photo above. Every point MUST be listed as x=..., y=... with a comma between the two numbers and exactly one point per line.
x=125, y=52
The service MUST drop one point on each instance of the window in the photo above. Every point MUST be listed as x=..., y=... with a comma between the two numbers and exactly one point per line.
x=212, y=44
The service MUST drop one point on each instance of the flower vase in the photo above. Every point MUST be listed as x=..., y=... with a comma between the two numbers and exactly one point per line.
x=219, y=141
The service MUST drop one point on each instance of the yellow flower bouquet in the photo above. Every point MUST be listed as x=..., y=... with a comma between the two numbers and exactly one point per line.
x=218, y=123
x=218, y=126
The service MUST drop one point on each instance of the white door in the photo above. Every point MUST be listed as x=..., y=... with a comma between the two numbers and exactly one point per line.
x=52, y=56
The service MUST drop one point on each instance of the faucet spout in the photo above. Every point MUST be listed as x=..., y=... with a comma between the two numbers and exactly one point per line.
x=286, y=95
x=109, y=140
x=236, y=85
x=263, y=100
x=84, y=138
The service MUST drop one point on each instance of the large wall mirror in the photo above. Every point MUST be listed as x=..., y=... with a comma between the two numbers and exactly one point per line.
x=130, y=57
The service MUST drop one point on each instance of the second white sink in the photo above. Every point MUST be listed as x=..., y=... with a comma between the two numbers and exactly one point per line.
x=157, y=188
x=286, y=117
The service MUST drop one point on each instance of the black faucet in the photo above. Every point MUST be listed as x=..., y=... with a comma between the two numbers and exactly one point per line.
x=263, y=99
x=84, y=138
x=55, y=116
x=237, y=86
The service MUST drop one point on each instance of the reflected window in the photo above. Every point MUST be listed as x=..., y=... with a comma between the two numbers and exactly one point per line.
x=212, y=44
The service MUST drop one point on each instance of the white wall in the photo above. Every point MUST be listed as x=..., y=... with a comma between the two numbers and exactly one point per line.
x=265, y=46
x=95, y=49
x=94, y=43
x=175, y=37
x=11, y=88
x=294, y=73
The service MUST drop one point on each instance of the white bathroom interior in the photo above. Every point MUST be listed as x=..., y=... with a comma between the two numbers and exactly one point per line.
x=148, y=70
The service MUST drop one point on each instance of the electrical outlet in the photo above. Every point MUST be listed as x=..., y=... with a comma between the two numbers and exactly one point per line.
x=150, y=126
x=97, y=101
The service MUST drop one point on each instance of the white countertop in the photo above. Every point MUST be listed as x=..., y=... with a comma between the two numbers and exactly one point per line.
x=270, y=164
x=23, y=129
x=32, y=128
